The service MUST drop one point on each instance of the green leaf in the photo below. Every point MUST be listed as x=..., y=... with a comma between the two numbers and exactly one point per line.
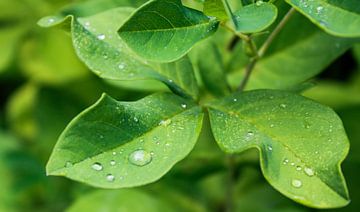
x=340, y=18
x=301, y=142
x=216, y=8
x=292, y=59
x=98, y=45
x=255, y=17
x=123, y=144
x=167, y=31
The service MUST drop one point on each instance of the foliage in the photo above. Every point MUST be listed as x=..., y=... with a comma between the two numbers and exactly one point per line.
x=225, y=105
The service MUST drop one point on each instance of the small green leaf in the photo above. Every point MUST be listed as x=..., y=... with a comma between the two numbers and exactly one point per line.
x=340, y=18
x=123, y=144
x=98, y=45
x=215, y=8
x=167, y=31
x=255, y=17
x=301, y=142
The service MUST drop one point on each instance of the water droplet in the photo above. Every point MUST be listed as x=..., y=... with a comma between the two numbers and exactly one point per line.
x=167, y=144
x=68, y=164
x=272, y=125
x=97, y=166
x=87, y=24
x=298, y=168
x=309, y=171
x=165, y=122
x=110, y=177
x=259, y=3
x=270, y=148
x=140, y=157
x=286, y=161
x=296, y=183
x=283, y=105
x=112, y=163
x=170, y=80
x=113, y=153
x=292, y=163
x=101, y=37
x=235, y=100
x=316, y=152
x=136, y=119
x=319, y=9
x=250, y=133
x=121, y=66
x=183, y=106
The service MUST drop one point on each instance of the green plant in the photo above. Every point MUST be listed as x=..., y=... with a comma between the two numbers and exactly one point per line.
x=301, y=143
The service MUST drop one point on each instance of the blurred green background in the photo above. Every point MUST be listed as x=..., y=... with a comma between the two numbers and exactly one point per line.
x=43, y=85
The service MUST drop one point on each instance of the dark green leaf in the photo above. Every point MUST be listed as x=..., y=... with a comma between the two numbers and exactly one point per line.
x=167, y=31
x=301, y=143
x=123, y=144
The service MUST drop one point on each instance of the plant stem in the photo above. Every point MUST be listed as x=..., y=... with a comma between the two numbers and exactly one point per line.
x=264, y=48
x=276, y=31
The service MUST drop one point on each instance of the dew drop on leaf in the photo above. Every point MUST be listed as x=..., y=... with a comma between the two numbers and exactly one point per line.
x=298, y=168
x=140, y=157
x=183, y=106
x=309, y=171
x=101, y=37
x=97, y=166
x=165, y=122
x=286, y=161
x=283, y=105
x=68, y=164
x=112, y=162
x=296, y=183
x=110, y=177
x=122, y=66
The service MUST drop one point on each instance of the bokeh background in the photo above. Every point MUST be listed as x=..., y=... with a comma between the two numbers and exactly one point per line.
x=43, y=85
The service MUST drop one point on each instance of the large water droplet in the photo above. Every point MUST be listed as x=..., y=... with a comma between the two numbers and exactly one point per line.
x=97, y=166
x=296, y=183
x=140, y=157
x=309, y=171
x=110, y=177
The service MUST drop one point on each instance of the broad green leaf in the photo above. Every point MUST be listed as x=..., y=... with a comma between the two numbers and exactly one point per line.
x=216, y=9
x=124, y=144
x=340, y=18
x=98, y=45
x=301, y=142
x=292, y=59
x=167, y=31
x=255, y=17
x=212, y=74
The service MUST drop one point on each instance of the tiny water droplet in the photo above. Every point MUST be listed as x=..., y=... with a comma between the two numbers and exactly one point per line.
x=97, y=166
x=68, y=164
x=113, y=153
x=110, y=177
x=272, y=125
x=283, y=105
x=183, y=106
x=292, y=163
x=316, y=152
x=250, y=133
x=101, y=37
x=140, y=157
x=167, y=144
x=296, y=183
x=286, y=161
x=121, y=66
x=165, y=122
x=319, y=9
x=235, y=100
x=298, y=168
x=270, y=148
x=136, y=119
x=112, y=163
x=309, y=171
x=259, y=3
